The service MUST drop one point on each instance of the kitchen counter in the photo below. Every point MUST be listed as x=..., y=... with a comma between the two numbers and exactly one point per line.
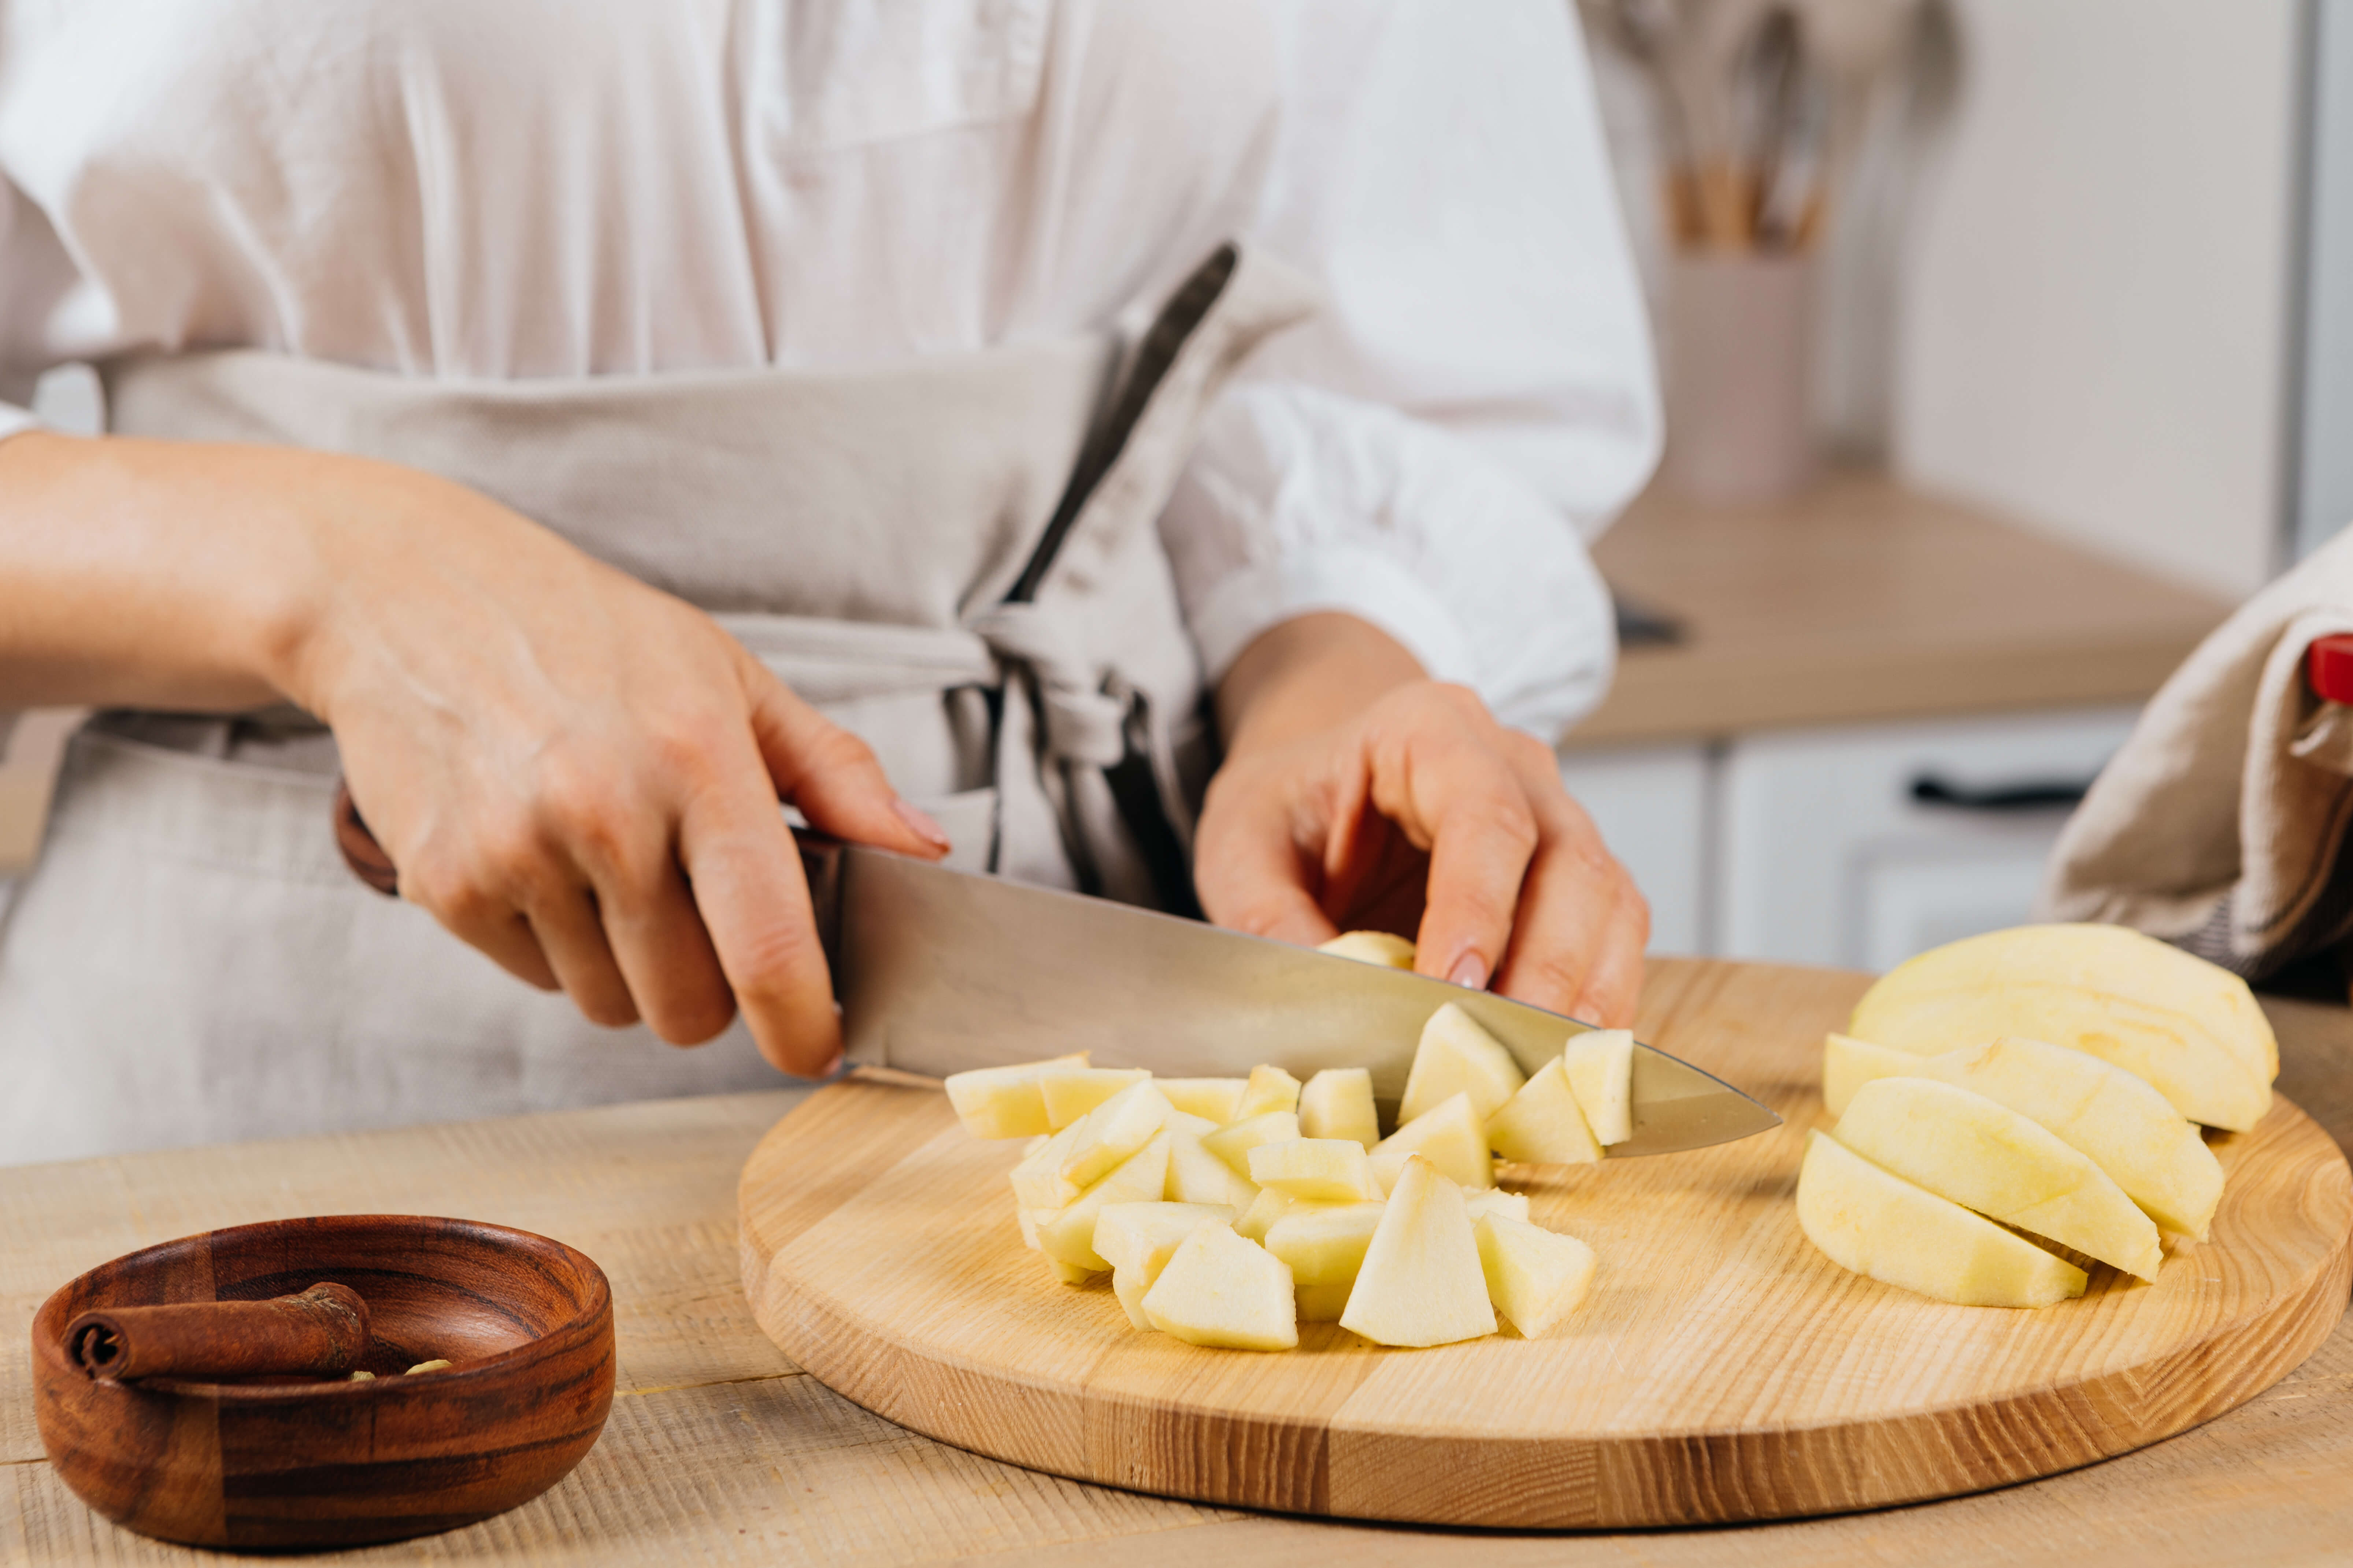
x=720, y=1449
x=1860, y=600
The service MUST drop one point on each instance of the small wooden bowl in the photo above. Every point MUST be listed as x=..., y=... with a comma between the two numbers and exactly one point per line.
x=289, y=1463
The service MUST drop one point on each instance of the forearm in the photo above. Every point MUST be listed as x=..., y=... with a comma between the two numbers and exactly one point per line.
x=1305, y=675
x=157, y=573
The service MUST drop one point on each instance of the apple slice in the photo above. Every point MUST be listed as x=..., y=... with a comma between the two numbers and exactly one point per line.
x=1541, y=1124
x=1070, y=1092
x=1113, y=1131
x=1003, y=1102
x=1069, y=1233
x=1323, y=1247
x=1071, y=1273
x=2122, y=1123
x=1600, y=1065
x=1421, y=1283
x=1232, y=1144
x=1214, y=1098
x=1960, y=1145
x=1482, y=1201
x=1038, y=1180
x=1267, y=1089
x=1219, y=1290
x=1320, y=1170
x=1338, y=1103
x=1875, y=1223
x=1458, y=1056
x=1371, y=947
x=1449, y=1134
x=1138, y=1239
x=1535, y=1277
x=2190, y=1027
x=1198, y=1177
x=1264, y=1210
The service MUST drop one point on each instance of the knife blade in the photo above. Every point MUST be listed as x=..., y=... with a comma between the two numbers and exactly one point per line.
x=939, y=970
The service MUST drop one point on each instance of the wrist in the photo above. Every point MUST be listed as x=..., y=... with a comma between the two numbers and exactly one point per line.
x=1306, y=675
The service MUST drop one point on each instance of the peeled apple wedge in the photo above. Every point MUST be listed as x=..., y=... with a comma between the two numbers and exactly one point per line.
x=1600, y=1065
x=1003, y=1102
x=1232, y=1144
x=1319, y=1169
x=1323, y=1247
x=1984, y=1156
x=2189, y=1027
x=1267, y=1088
x=1450, y=1135
x=1541, y=1124
x=1219, y=1290
x=1264, y=1210
x=1875, y=1223
x=1070, y=1092
x=1338, y=1103
x=1112, y=1131
x=1493, y=1200
x=1458, y=1056
x=1037, y=1180
x=2122, y=1124
x=1535, y=1277
x=1198, y=1177
x=1214, y=1098
x=1067, y=1236
x=1371, y=947
x=1421, y=1282
x=1138, y=1239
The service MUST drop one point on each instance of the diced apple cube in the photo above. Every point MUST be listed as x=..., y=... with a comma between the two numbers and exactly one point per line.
x=1003, y=1102
x=1232, y=1144
x=1214, y=1098
x=1421, y=1282
x=1070, y=1092
x=1481, y=1203
x=1113, y=1131
x=1323, y=1246
x=1450, y=1135
x=1070, y=1234
x=1458, y=1056
x=1198, y=1177
x=1037, y=1180
x=1138, y=1239
x=1264, y=1210
x=1875, y=1223
x=1071, y=1273
x=1219, y=1290
x=1320, y=1170
x=1542, y=1125
x=1535, y=1277
x=1986, y=1157
x=1267, y=1088
x=1600, y=1064
x=1338, y=1103
x=1390, y=951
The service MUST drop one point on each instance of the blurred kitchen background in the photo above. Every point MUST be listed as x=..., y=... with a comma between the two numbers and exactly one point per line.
x=2008, y=343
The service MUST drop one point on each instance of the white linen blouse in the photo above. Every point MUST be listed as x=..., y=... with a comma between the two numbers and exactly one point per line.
x=531, y=188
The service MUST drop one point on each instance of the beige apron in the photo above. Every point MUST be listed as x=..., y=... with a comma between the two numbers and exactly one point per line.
x=956, y=558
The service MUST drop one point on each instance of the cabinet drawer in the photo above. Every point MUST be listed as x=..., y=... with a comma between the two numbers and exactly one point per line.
x=1652, y=805
x=1861, y=847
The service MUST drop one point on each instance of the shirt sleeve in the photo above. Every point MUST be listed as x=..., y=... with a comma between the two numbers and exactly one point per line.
x=1476, y=398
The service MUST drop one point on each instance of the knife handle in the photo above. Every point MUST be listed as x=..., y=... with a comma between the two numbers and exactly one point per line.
x=821, y=863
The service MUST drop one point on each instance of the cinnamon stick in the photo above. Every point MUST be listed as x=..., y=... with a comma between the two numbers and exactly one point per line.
x=320, y=1334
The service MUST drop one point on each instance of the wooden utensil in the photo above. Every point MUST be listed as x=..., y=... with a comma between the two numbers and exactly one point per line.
x=277, y=1462
x=318, y=1333
x=1722, y=1368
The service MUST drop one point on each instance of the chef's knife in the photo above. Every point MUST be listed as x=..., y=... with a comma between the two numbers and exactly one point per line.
x=938, y=971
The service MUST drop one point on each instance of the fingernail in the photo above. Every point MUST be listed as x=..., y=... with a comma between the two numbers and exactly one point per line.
x=830, y=1068
x=1470, y=971
x=931, y=832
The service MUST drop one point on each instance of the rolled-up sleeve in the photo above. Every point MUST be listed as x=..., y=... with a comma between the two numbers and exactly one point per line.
x=1477, y=397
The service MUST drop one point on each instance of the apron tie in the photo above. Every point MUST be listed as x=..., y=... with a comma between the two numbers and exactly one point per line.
x=1083, y=723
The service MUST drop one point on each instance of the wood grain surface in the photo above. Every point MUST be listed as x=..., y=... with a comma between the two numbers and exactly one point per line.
x=720, y=1450
x=1722, y=1368
x=1862, y=600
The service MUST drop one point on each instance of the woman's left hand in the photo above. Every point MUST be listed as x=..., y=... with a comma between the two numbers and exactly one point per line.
x=1357, y=794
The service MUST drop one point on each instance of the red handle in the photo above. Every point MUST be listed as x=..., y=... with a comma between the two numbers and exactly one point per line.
x=2328, y=665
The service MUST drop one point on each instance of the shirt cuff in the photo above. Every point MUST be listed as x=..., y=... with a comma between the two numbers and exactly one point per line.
x=1357, y=582
x=15, y=420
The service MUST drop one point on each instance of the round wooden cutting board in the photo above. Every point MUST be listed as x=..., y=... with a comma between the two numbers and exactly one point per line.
x=1721, y=1369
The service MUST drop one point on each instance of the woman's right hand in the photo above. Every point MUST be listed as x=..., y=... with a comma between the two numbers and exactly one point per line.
x=577, y=774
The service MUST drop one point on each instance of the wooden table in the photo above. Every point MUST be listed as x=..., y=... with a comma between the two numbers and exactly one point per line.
x=1860, y=600
x=718, y=1450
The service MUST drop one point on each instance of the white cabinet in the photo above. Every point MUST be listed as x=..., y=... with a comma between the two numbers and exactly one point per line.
x=1830, y=854
x=1652, y=805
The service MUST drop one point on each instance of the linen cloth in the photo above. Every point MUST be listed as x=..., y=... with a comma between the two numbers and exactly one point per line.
x=2220, y=824
x=465, y=190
